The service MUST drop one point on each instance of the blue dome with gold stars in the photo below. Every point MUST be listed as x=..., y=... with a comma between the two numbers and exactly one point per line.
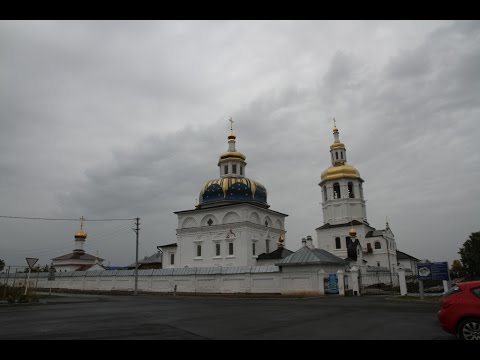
x=233, y=189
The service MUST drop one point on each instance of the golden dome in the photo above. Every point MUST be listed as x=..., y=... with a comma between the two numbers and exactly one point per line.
x=338, y=172
x=353, y=232
x=337, y=146
x=232, y=154
x=81, y=234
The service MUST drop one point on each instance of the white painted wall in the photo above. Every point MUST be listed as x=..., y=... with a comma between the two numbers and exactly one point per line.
x=291, y=280
x=344, y=209
x=247, y=225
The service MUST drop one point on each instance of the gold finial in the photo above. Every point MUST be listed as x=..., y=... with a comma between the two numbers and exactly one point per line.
x=82, y=219
x=231, y=136
x=335, y=130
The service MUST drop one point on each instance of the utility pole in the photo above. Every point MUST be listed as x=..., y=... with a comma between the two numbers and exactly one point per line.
x=137, y=230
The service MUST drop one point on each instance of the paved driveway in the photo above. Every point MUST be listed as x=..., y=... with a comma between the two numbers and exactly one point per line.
x=168, y=317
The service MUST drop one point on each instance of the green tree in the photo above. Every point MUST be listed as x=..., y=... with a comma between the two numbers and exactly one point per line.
x=470, y=255
x=2, y=264
x=457, y=269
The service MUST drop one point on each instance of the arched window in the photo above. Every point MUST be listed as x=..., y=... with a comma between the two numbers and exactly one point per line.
x=351, y=194
x=378, y=245
x=336, y=155
x=325, y=198
x=217, y=249
x=253, y=249
x=341, y=154
x=336, y=191
x=199, y=250
x=230, y=249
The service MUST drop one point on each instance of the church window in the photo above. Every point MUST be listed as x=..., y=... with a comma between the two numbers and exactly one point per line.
x=351, y=194
x=336, y=155
x=378, y=263
x=210, y=222
x=230, y=249
x=378, y=245
x=338, y=245
x=267, y=246
x=172, y=259
x=241, y=170
x=348, y=241
x=332, y=156
x=325, y=193
x=341, y=154
x=217, y=249
x=336, y=191
x=266, y=223
x=253, y=249
x=225, y=169
x=199, y=250
x=234, y=169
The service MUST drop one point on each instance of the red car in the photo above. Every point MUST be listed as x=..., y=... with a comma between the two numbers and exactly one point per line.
x=459, y=312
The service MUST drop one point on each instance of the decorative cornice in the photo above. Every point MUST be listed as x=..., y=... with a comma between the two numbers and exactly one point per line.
x=228, y=227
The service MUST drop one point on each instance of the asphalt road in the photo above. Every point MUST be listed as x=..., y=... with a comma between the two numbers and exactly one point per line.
x=180, y=317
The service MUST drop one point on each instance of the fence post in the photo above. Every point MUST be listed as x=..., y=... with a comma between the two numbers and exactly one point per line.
x=341, y=282
x=402, y=281
x=321, y=282
x=355, y=286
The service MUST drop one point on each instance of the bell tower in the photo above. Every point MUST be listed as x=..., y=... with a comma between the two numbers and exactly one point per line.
x=341, y=184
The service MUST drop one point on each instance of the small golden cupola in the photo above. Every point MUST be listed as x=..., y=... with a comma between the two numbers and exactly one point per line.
x=81, y=235
x=232, y=157
x=339, y=168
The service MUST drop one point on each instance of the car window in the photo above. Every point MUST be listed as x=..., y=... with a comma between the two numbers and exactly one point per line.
x=451, y=291
x=476, y=292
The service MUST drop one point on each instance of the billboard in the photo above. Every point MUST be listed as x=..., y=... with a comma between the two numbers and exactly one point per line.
x=433, y=271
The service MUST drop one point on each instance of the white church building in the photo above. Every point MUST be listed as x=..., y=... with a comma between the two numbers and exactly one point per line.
x=78, y=259
x=345, y=231
x=231, y=224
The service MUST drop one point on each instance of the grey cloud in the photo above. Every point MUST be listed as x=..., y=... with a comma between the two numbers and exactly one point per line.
x=126, y=119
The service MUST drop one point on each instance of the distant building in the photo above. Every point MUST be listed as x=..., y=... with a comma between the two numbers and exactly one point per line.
x=78, y=260
x=408, y=262
x=149, y=262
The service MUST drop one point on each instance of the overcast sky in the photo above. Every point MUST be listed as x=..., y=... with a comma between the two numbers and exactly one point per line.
x=127, y=119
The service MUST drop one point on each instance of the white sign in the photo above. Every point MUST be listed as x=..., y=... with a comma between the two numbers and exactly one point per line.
x=31, y=262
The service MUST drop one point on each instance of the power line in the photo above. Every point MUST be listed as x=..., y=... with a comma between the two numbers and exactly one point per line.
x=40, y=218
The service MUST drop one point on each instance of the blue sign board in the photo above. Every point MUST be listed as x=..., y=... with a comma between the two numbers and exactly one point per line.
x=440, y=271
x=433, y=271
